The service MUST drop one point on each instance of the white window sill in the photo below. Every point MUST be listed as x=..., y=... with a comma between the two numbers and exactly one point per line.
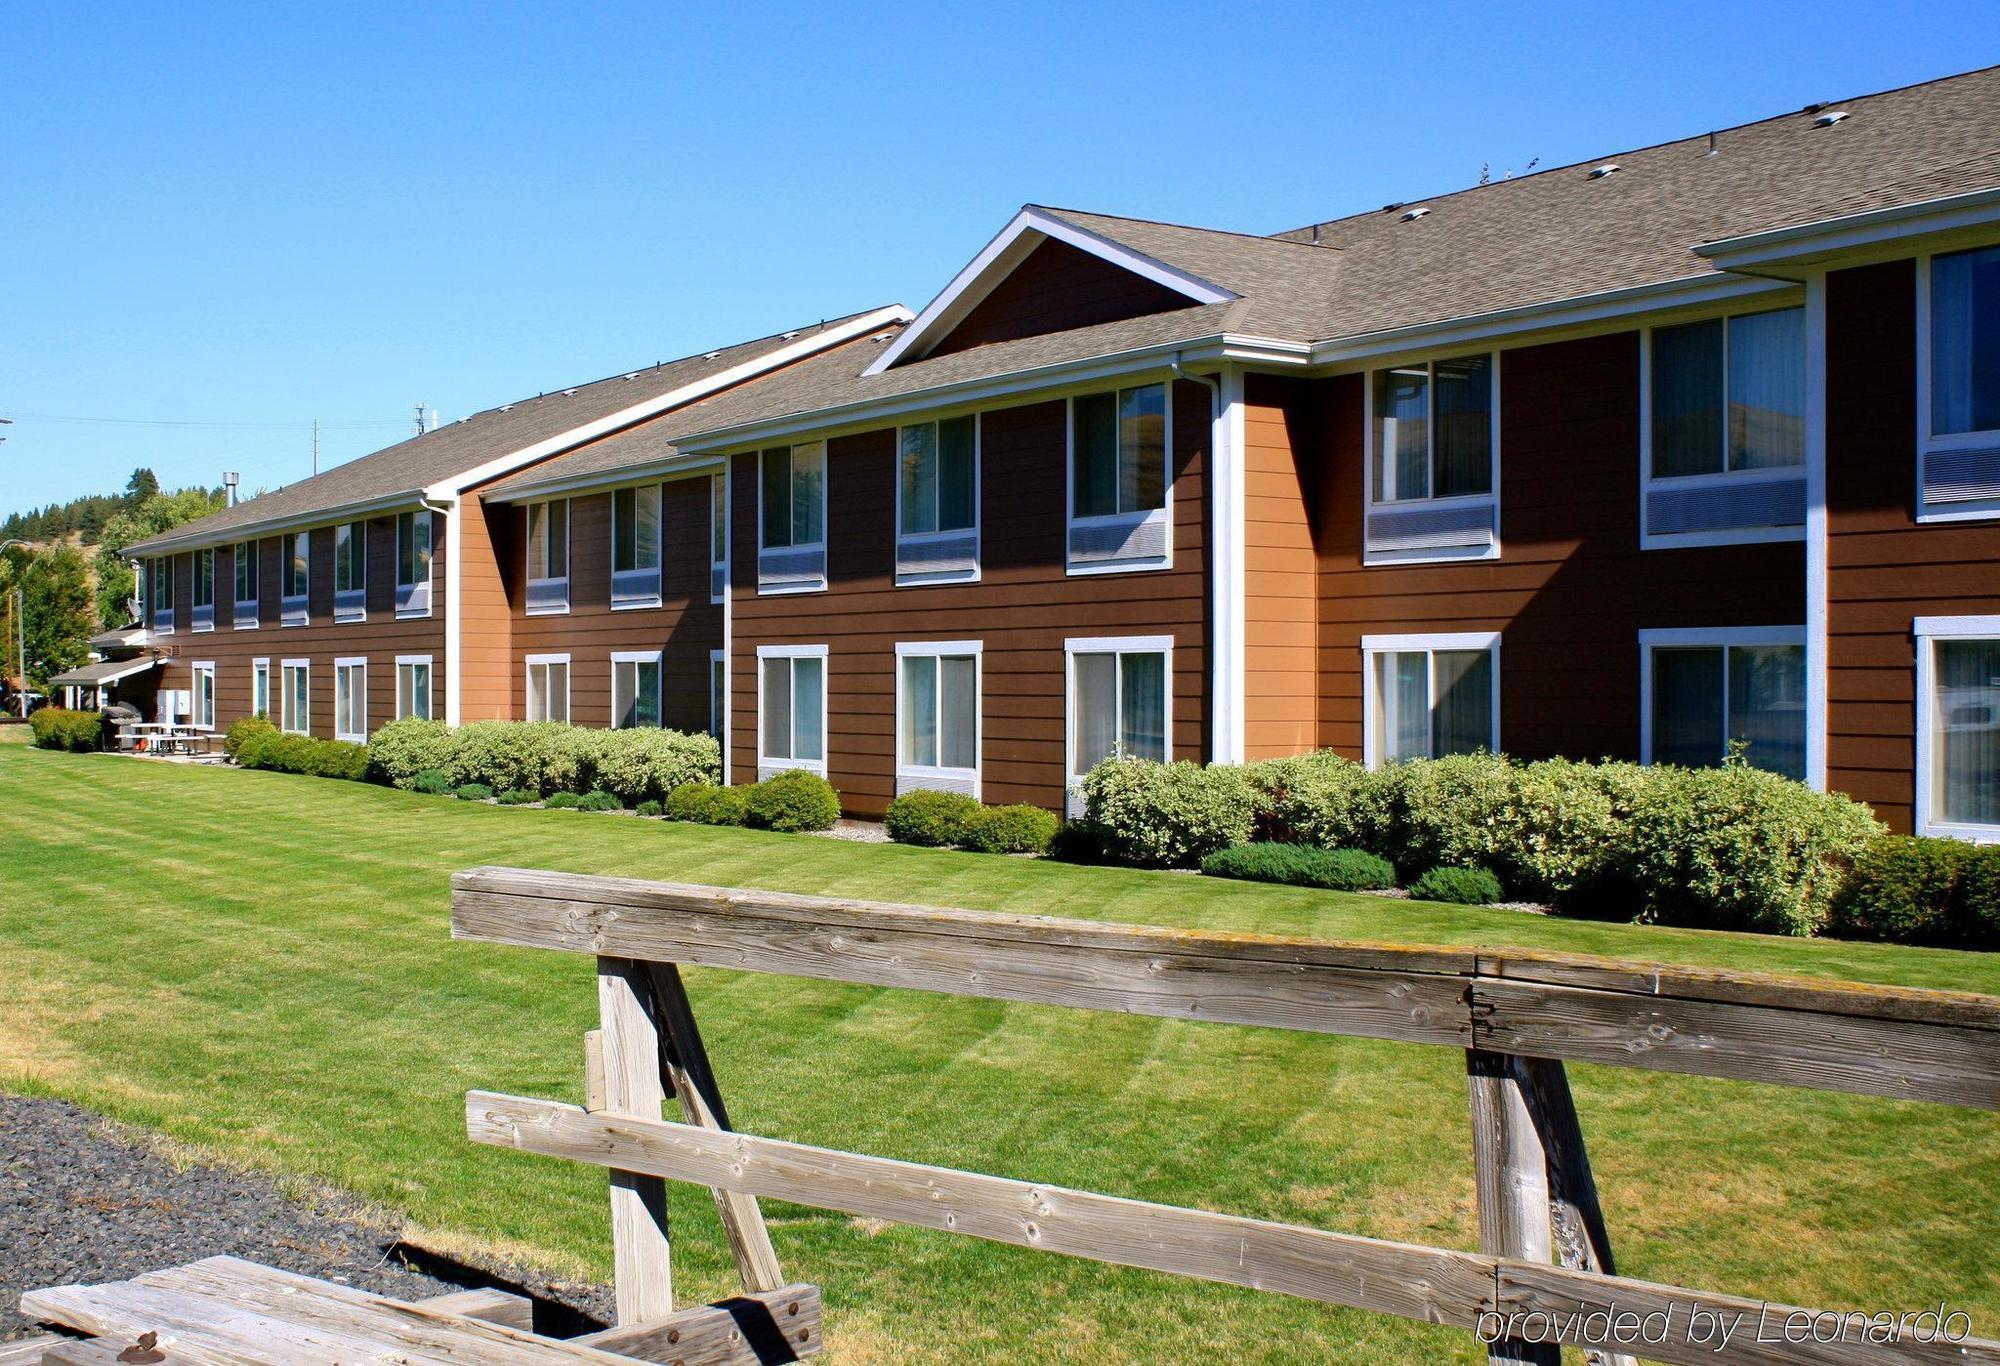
x=1765, y=535
x=917, y=777
x=782, y=590
x=1985, y=511
x=1949, y=830
x=1446, y=555
x=639, y=604
x=351, y=737
x=349, y=618
x=413, y=614
x=930, y=580
x=560, y=610
x=767, y=766
x=1137, y=567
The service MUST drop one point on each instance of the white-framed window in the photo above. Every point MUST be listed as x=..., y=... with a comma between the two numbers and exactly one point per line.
x=260, y=687
x=415, y=532
x=718, y=535
x=1704, y=691
x=937, y=501
x=635, y=689
x=791, y=518
x=718, y=697
x=350, y=699
x=1433, y=433
x=635, y=546
x=1120, y=700
x=295, y=696
x=938, y=715
x=204, y=590
x=548, y=556
x=1958, y=386
x=791, y=708
x=350, y=571
x=548, y=688
x=298, y=579
x=1430, y=695
x=160, y=598
x=203, y=700
x=413, y=686
x=245, y=558
x=1958, y=727
x=1120, y=481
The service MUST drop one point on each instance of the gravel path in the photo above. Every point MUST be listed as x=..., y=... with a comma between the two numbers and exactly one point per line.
x=82, y=1200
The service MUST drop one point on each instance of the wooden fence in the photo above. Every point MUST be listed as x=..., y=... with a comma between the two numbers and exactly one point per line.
x=1544, y=1272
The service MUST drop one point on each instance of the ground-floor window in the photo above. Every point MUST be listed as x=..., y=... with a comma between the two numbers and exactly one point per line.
x=1708, y=693
x=548, y=687
x=204, y=696
x=718, y=693
x=413, y=686
x=297, y=688
x=1958, y=727
x=791, y=707
x=260, y=687
x=1120, y=701
x=635, y=690
x=350, y=699
x=1428, y=696
x=937, y=715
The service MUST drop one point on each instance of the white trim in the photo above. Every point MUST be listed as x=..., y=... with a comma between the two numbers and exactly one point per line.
x=396, y=575
x=728, y=617
x=664, y=471
x=357, y=539
x=285, y=700
x=195, y=670
x=344, y=664
x=1370, y=503
x=1028, y=229
x=1927, y=631
x=658, y=659
x=1428, y=643
x=819, y=652
x=1164, y=514
x=719, y=479
x=527, y=555
x=1816, y=535
x=942, y=775
x=659, y=566
x=1982, y=510
x=718, y=718
x=194, y=589
x=261, y=664
x=527, y=690
x=1721, y=638
x=1111, y=645
x=1946, y=213
x=454, y=615
x=926, y=580
x=430, y=683
x=791, y=450
x=1228, y=565
x=236, y=622
x=281, y=526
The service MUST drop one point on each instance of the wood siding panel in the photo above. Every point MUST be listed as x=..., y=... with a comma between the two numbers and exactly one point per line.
x=487, y=548
x=1056, y=288
x=1280, y=582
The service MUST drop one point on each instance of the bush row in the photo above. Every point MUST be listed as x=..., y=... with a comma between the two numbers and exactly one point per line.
x=60, y=728
x=545, y=757
x=946, y=820
x=282, y=752
x=1922, y=891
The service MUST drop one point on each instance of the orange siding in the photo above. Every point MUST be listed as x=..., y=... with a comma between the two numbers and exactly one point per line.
x=1281, y=627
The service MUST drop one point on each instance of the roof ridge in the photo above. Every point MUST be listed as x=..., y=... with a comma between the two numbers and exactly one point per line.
x=1186, y=227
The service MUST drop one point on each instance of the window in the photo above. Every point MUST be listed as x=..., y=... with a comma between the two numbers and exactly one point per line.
x=1428, y=696
x=204, y=696
x=1434, y=453
x=718, y=536
x=295, y=697
x=260, y=687
x=1706, y=691
x=791, y=708
x=1724, y=430
x=718, y=698
x=204, y=590
x=791, y=521
x=414, y=531
x=937, y=502
x=1958, y=341
x=298, y=579
x=1118, y=517
x=635, y=690
x=246, y=585
x=160, y=599
x=548, y=687
x=1958, y=727
x=413, y=686
x=350, y=699
x=548, y=556
x=1119, y=700
x=937, y=716
x=350, y=571
x=635, y=546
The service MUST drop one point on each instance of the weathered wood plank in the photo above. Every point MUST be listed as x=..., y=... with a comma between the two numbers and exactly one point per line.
x=1421, y=1283
x=1510, y=1183
x=593, y=1069
x=494, y=1306
x=642, y=1274
x=28, y=1351
x=684, y=1059
x=204, y=1331
x=781, y=1324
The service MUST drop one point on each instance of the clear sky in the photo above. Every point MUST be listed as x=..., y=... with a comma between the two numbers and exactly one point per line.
x=262, y=214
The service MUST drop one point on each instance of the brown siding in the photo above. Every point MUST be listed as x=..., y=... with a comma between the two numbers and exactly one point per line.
x=1281, y=627
x=486, y=547
x=1884, y=568
x=1056, y=288
x=1571, y=590
x=1022, y=609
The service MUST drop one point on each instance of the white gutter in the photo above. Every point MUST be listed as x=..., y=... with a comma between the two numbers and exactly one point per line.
x=650, y=471
x=245, y=531
x=1976, y=208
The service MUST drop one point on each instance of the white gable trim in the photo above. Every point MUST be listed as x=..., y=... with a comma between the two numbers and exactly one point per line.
x=1029, y=229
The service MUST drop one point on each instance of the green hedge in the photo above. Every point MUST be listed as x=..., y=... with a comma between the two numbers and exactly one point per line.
x=1169, y=815
x=242, y=729
x=1462, y=886
x=1302, y=865
x=546, y=757
x=1016, y=829
x=931, y=820
x=792, y=800
x=60, y=728
x=283, y=752
x=706, y=804
x=1923, y=891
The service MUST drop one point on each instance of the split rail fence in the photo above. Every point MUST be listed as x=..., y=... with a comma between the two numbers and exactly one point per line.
x=1544, y=1273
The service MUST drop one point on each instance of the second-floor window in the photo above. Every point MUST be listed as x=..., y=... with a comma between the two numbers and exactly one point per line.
x=1118, y=481
x=204, y=590
x=548, y=556
x=246, y=584
x=1434, y=449
x=791, y=538
x=937, y=501
x=350, y=571
x=298, y=579
x=160, y=593
x=718, y=536
x=1959, y=456
x=635, y=546
x=413, y=563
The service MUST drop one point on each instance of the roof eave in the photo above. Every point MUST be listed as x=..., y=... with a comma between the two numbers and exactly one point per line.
x=641, y=472
x=195, y=539
x=1807, y=242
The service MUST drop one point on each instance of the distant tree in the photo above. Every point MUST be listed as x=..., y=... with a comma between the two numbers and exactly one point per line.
x=56, y=610
x=142, y=485
x=159, y=513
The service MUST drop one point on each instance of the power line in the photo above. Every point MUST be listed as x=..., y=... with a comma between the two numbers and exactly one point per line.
x=338, y=424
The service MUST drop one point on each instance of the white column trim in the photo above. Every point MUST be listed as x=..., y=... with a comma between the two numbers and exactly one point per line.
x=1228, y=605
x=454, y=616
x=1816, y=533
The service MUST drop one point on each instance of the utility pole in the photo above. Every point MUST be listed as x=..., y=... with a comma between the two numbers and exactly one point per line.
x=20, y=632
x=315, y=445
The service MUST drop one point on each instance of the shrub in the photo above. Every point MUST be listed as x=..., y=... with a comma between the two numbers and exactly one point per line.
x=649, y=808
x=519, y=796
x=792, y=800
x=562, y=801
x=475, y=792
x=599, y=800
x=1169, y=815
x=1322, y=799
x=1463, y=886
x=706, y=804
x=930, y=819
x=645, y=765
x=1302, y=865
x=435, y=781
x=1922, y=891
x=1010, y=830
x=61, y=728
x=504, y=754
x=283, y=752
x=1079, y=841
x=403, y=749
x=242, y=729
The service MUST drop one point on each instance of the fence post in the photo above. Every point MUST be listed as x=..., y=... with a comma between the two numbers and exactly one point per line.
x=1511, y=1180
x=629, y=1043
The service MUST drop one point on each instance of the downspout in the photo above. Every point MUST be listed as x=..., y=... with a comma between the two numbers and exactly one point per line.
x=1226, y=531
x=452, y=577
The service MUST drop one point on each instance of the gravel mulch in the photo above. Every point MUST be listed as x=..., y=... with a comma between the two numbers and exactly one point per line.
x=84, y=1200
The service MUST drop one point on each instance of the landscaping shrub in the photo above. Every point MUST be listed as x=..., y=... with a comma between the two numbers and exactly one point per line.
x=1979, y=897
x=645, y=765
x=519, y=796
x=563, y=801
x=242, y=729
x=930, y=819
x=792, y=800
x=434, y=781
x=283, y=752
x=1169, y=815
x=706, y=804
x=1462, y=886
x=1302, y=865
x=649, y=808
x=506, y=754
x=1922, y=891
x=1079, y=842
x=549, y=756
x=61, y=728
x=599, y=800
x=1010, y=830
x=475, y=792
x=1318, y=798
x=405, y=748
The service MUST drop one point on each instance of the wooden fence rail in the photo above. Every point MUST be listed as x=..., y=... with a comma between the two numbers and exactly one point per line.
x=1515, y=1015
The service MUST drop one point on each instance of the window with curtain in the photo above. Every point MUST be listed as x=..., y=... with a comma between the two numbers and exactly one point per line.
x=1965, y=343
x=1433, y=433
x=413, y=563
x=204, y=696
x=298, y=567
x=204, y=590
x=413, y=688
x=350, y=571
x=939, y=703
x=635, y=690
x=1964, y=706
x=635, y=546
x=548, y=556
x=1118, y=704
x=1729, y=394
x=937, y=491
x=718, y=536
x=160, y=595
x=793, y=725
x=718, y=695
x=245, y=558
x=548, y=687
x=1426, y=701
x=350, y=699
x=794, y=496
x=295, y=697
x=1118, y=444
x=1710, y=700
x=260, y=687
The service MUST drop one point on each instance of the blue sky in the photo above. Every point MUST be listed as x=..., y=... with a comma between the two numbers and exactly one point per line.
x=259, y=215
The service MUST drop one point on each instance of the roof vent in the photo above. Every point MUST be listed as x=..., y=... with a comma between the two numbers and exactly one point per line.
x=881, y=337
x=1412, y=215
x=1599, y=172
x=790, y=335
x=568, y=392
x=506, y=407
x=1829, y=118
x=710, y=355
x=634, y=375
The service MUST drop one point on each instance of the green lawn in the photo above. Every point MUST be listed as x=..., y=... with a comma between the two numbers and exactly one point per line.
x=259, y=965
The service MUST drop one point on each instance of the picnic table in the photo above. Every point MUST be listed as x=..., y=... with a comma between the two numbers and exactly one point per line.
x=162, y=737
